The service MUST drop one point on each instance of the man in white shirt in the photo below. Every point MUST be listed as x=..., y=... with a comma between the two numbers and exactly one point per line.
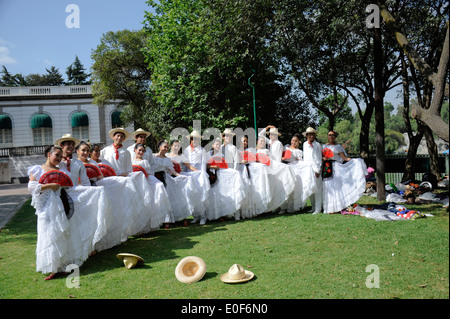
x=229, y=150
x=140, y=136
x=116, y=154
x=76, y=168
x=273, y=144
x=312, y=154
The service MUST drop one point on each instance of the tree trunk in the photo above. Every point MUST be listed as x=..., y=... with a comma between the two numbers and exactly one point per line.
x=432, y=152
x=379, y=114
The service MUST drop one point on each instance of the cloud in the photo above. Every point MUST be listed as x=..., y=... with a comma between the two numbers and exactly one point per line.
x=5, y=57
x=5, y=54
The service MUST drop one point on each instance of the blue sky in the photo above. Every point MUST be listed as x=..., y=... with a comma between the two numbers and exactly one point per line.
x=34, y=35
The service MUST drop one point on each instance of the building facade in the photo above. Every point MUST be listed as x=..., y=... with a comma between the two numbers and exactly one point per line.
x=34, y=117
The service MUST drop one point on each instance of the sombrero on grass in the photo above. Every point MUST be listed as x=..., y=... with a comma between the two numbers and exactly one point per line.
x=236, y=274
x=130, y=260
x=190, y=269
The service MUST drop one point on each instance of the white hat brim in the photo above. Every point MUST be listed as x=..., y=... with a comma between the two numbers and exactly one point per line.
x=201, y=271
x=64, y=139
x=136, y=133
x=121, y=130
x=248, y=276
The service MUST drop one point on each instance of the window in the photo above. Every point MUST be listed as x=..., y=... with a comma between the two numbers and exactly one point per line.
x=5, y=129
x=42, y=128
x=115, y=119
x=80, y=126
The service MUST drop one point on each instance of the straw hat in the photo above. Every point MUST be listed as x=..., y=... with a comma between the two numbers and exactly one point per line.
x=139, y=131
x=195, y=134
x=121, y=130
x=273, y=130
x=236, y=274
x=310, y=130
x=228, y=131
x=130, y=260
x=190, y=269
x=67, y=137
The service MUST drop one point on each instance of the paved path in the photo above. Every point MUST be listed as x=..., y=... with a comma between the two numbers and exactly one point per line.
x=12, y=197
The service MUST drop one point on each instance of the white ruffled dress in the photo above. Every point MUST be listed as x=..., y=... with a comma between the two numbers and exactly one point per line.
x=62, y=241
x=160, y=198
x=181, y=190
x=227, y=194
x=346, y=185
x=305, y=184
x=281, y=182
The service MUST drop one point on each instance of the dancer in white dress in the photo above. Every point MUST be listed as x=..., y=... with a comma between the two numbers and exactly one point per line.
x=67, y=233
x=304, y=175
x=312, y=154
x=160, y=197
x=281, y=178
x=228, y=192
x=273, y=144
x=120, y=159
x=347, y=182
x=250, y=206
x=181, y=189
x=196, y=157
x=125, y=213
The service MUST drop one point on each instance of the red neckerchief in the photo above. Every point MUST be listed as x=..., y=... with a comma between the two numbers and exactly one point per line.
x=68, y=162
x=192, y=147
x=311, y=144
x=116, y=148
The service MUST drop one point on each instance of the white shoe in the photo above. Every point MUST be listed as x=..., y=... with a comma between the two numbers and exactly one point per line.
x=203, y=221
x=195, y=220
x=315, y=213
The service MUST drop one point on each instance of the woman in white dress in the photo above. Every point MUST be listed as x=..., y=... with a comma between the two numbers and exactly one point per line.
x=228, y=191
x=304, y=175
x=281, y=178
x=181, y=189
x=66, y=234
x=347, y=182
x=125, y=213
x=160, y=197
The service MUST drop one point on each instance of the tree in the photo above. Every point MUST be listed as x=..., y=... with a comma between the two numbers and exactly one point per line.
x=76, y=73
x=430, y=116
x=202, y=54
x=120, y=74
x=7, y=78
x=53, y=77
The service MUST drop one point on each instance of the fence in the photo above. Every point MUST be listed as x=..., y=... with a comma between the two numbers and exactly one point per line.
x=395, y=166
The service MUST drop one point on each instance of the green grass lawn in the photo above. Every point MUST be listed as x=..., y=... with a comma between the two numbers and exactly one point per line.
x=293, y=256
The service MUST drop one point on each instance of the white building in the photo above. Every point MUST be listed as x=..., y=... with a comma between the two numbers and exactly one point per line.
x=34, y=117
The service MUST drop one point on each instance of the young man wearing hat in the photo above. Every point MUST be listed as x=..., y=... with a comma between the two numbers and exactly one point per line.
x=312, y=154
x=115, y=153
x=140, y=136
x=76, y=168
x=274, y=145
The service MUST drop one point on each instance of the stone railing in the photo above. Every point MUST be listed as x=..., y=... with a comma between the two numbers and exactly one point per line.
x=45, y=90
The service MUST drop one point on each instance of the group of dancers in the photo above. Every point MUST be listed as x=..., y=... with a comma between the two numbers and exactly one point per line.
x=117, y=192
